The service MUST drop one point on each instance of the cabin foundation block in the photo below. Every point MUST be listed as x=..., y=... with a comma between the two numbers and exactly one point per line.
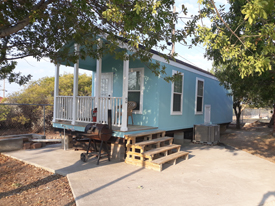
x=117, y=151
x=179, y=138
x=67, y=142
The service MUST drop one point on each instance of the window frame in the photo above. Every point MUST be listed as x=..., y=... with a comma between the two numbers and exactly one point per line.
x=196, y=95
x=141, y=70
x=172, y=95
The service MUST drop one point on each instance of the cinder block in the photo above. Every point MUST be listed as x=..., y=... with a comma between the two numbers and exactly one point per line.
x=67, y=142
x=179, y=138
x=117, y=151
x=27, y=145
x=36, y=145
x=25, y=139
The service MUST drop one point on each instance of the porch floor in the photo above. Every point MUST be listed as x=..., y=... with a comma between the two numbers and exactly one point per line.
x=82, y=125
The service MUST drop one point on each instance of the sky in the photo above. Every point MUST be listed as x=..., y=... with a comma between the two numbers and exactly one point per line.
x=44, y=68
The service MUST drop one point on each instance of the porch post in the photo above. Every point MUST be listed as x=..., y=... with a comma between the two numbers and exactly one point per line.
x=98, y=83
x=75, y=89
x=56, y=91
x=125, y=95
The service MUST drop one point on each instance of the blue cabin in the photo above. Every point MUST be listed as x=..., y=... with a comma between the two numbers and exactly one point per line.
x=139, y=100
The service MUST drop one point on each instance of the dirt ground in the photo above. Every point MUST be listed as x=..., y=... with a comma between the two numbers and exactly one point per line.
x=24, y=184
x=255, y=138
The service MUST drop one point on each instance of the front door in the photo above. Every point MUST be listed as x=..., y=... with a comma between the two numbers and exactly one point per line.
x=207, y=114
x=106, y=89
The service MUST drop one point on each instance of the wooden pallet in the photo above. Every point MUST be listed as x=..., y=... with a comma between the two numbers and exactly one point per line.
x=131, y=138
x=165, y=149
x=138, y=149
x=152, y=152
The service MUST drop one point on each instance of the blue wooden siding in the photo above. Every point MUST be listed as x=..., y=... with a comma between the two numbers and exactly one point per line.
x=149, y=117
x=214, y=95
x=157, y=97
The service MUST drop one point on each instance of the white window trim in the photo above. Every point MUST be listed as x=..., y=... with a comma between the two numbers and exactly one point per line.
x=141, y=70
x=172, y=94
x=197, y=80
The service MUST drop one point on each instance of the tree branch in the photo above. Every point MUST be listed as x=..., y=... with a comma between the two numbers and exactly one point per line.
x=236, y=29
x=213, y=3
x=21, y=24
x=249, y=36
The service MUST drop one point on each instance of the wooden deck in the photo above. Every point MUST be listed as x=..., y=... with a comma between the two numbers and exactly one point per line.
x=131, y=128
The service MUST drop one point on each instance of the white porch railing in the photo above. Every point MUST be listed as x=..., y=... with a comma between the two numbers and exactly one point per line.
x=64, y=109
x=85, y=107
x=113, y=103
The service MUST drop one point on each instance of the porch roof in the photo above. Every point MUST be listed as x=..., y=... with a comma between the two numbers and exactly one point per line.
x=90, y=64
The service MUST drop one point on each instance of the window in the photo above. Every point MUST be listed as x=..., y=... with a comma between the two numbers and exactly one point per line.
x=135, y=86
x=199, y=96
x=177, y=94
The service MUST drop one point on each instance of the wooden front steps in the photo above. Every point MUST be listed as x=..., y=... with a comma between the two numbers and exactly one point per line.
x=174, y=157
x=152, y=149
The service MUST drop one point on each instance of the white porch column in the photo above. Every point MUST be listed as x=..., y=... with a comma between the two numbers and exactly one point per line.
x=56, y=91
x=98, y=83
x=125, y=95
x=75, y=89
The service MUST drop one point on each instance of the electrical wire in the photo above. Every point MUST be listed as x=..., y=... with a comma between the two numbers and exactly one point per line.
x=187, y=60
x=192, y=47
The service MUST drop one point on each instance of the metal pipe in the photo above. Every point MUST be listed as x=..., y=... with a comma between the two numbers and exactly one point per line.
x=44, y=118
x=110, y=119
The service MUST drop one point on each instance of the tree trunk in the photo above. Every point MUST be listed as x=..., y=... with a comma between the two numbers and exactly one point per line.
x=238, y=110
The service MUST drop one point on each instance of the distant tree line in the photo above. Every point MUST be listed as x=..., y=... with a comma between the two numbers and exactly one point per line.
x=40, y=91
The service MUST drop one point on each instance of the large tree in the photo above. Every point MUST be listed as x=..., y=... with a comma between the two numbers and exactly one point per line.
x=242, y=34
x=240, y=42
x=40, y=28
x=256, y=91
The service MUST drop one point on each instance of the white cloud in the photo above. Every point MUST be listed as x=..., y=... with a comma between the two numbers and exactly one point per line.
x=192, y=9
x=200, y=61
x=221, y=2
x=194, y=56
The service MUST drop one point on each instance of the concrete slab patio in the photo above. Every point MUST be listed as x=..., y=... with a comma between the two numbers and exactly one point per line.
x=213, y=175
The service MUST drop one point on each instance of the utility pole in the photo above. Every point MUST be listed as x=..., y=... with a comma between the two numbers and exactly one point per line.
x=173, y=33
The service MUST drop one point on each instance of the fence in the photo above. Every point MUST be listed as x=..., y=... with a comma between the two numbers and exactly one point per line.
x=20, y=118
x=251, y=114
